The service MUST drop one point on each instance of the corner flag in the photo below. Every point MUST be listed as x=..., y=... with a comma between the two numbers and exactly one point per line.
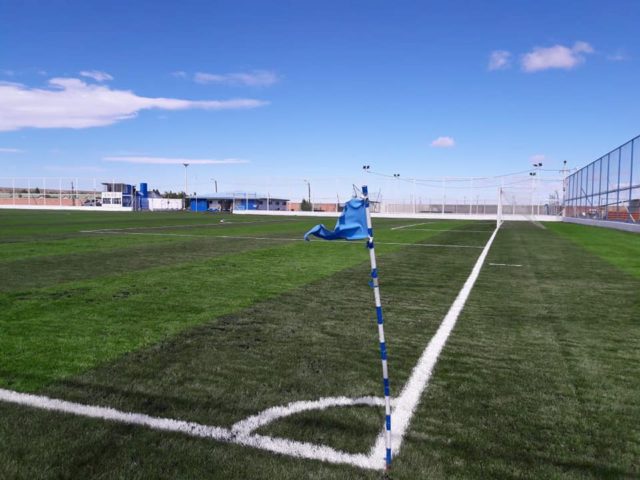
x=355, y=224
x=352, y=224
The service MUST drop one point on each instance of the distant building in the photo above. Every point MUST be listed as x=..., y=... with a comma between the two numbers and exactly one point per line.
x=117, y=195
x=122, y=196
x=228, y=202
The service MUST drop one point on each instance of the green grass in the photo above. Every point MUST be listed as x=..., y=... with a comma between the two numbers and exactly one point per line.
x=620, y=248
x=539, y=378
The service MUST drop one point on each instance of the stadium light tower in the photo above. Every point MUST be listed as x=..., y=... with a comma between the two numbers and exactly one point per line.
x=186, y=186
x=309, y=190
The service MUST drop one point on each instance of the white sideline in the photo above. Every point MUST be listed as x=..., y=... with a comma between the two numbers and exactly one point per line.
x=409, y=398
x=241, y=432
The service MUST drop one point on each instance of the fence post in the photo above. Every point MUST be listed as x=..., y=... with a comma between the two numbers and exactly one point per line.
x=631, y=182
x=618, y=187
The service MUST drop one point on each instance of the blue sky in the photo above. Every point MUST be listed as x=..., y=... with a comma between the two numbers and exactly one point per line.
x=310, y=89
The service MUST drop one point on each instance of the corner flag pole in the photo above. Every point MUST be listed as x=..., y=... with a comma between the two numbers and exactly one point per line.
x=383, y=347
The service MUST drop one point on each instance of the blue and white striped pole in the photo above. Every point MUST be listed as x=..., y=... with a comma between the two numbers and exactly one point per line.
x=383, y=346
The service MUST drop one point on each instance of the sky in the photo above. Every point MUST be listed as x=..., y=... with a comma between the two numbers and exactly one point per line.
x=267, y=94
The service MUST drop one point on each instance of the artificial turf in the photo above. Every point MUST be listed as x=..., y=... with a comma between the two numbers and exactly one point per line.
x=539, y=378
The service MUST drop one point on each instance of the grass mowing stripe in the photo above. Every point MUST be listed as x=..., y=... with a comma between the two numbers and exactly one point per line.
x=77, y=242
x=80, y=324
x=619, y=248
x=124, y=255
x=38, y=247
x=72, y=267
x=83, y=323
x=293, y=347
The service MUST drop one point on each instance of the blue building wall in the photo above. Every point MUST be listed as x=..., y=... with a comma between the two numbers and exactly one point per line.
x=250, y=204
x=199, y=205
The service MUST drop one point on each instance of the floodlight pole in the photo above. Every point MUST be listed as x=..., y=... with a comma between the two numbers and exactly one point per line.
x=186, y=186
x=383, y=347
x=309, y=191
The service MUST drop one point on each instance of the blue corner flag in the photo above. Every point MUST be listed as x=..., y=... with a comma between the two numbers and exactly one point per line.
x=352, y=224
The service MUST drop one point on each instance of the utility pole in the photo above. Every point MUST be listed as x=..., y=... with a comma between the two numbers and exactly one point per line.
x=533, y=183
x=215, y=184
x=186, y=186
x=309, y=191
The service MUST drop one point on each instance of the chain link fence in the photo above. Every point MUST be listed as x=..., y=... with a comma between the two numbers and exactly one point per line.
x=608, y=188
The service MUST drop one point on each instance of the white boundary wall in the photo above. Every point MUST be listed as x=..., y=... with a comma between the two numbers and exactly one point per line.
x=628, y=227
x=66, y=207
x=428, y=216
x=165, y=204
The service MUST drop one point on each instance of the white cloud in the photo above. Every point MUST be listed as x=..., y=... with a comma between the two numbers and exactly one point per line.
x=499, y=60
x=537, y=158
x=8, y=73
x=97, y=75
x=72, y=103
x=10, y=150
x=173, y=161
x=257, y=78
x=179, y=74
x=557, y=56
x=443, y=142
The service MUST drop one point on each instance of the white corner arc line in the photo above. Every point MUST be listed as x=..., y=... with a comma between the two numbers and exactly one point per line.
x=408, y=400
x=282, y=446
x=254, y=422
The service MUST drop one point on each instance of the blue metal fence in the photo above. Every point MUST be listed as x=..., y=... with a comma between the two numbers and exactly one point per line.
x=608, y=188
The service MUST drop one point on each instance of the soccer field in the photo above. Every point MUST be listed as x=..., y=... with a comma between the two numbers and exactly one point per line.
x=198, y=326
